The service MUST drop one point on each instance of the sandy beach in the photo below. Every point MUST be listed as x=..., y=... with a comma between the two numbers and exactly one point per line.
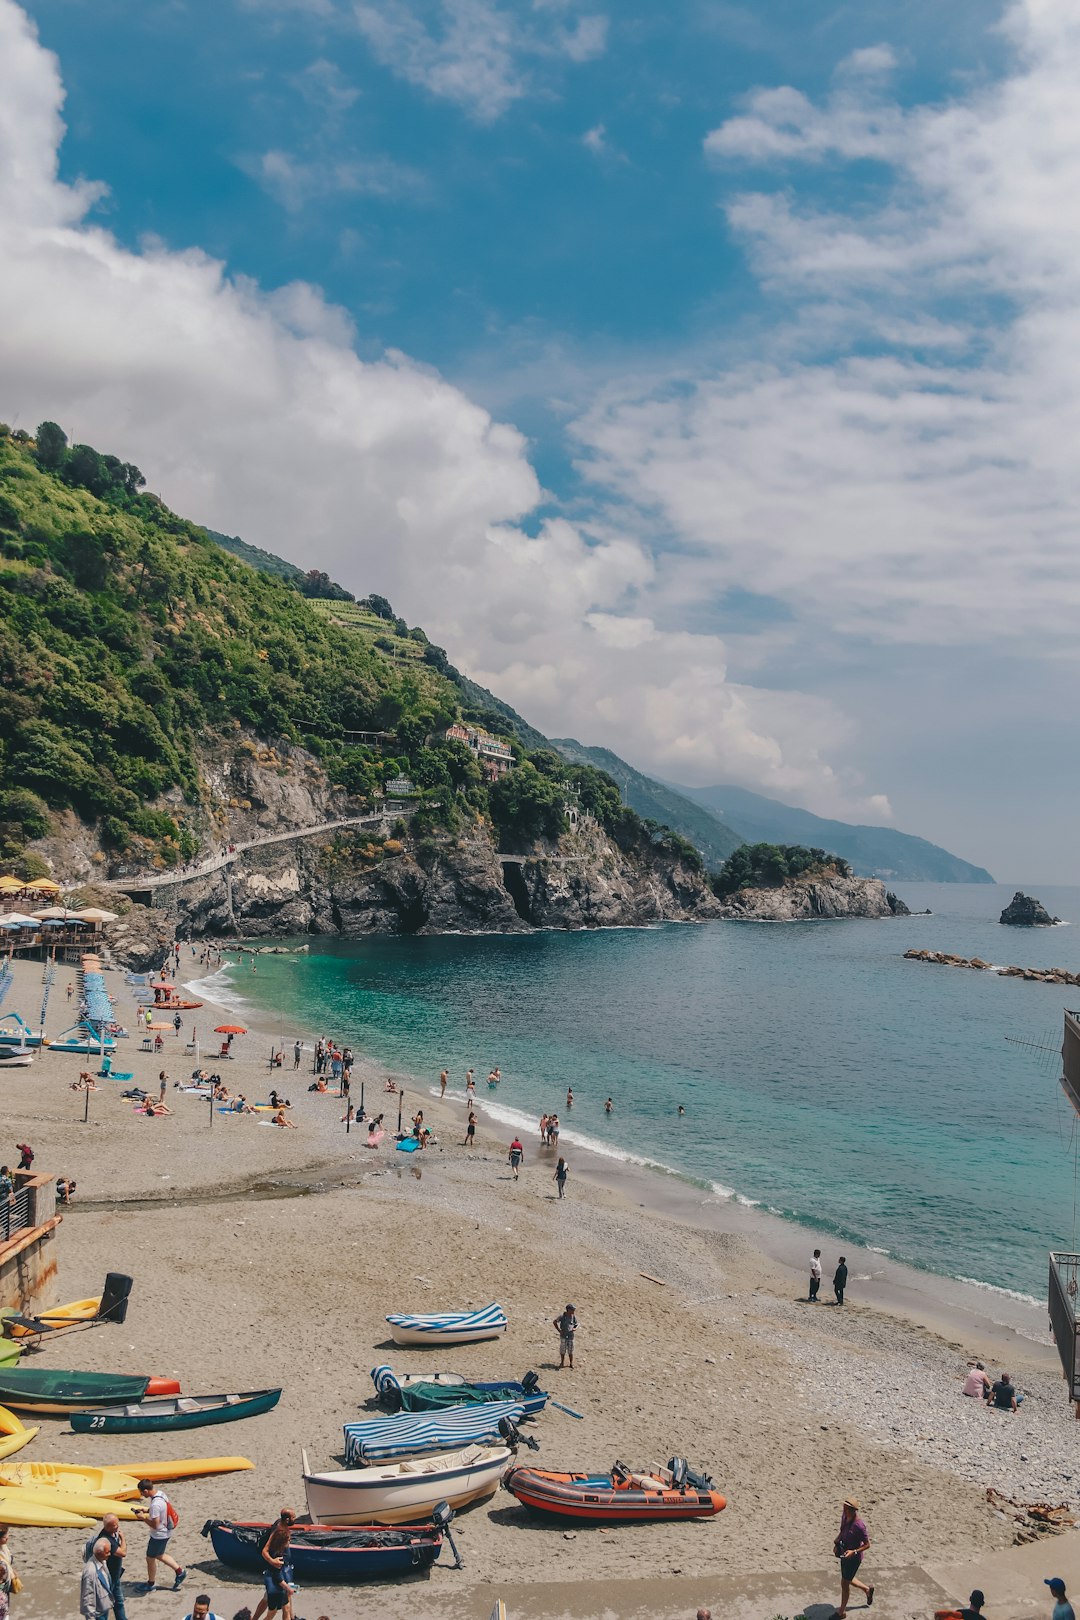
x=265, y=1256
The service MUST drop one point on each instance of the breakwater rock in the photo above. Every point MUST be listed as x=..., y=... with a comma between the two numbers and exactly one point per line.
x=1035, y=975
x=1024, y=911
x=815, y=896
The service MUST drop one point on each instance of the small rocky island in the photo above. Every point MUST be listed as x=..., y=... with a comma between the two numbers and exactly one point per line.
x=788, y=883
x=1023, y=911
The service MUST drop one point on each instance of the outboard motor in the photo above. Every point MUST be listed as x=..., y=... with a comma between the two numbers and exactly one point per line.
x=689, y=1476
x=678, y=1469
x=530, y=1382
x=442, y=1517
x=514, y=1437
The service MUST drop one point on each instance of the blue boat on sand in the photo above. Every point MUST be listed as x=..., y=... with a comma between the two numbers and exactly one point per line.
x=321, y=1552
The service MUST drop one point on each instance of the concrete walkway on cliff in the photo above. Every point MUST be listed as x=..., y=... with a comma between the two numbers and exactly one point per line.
x=216, y=863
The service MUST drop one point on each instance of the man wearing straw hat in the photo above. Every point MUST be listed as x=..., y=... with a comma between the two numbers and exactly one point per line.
x=849, y=1547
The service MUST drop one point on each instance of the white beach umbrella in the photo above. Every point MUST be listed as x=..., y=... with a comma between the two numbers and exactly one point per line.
x=94, y=914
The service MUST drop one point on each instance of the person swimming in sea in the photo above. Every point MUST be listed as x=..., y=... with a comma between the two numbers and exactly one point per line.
x=682, y=1110
x=609, y=1106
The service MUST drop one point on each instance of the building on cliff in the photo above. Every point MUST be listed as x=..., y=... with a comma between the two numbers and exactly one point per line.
x=495, y=756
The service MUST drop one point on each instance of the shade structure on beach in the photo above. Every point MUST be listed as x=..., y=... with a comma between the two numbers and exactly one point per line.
x=95, y=914
x=49, y=913
x=70, y=921
x=11, y=885
x=43, y=886
x=20, y=919
x=229, y=1029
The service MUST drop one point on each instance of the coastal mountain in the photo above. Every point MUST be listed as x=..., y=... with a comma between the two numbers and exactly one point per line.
x=711, y=834
x=168, y=697
x=872, y=851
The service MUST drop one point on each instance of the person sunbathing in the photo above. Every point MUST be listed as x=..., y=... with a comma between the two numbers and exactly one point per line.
x=154, y=1109
x=279, y=1119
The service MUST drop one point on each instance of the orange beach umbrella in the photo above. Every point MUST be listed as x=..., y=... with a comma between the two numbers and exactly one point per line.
x=229, y=1029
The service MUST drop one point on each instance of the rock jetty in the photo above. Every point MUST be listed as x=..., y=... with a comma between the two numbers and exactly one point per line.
x=1024, y=911
x=1036, y=975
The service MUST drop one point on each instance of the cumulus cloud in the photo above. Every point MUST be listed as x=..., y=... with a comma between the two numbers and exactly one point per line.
x=250, y=408
x=911, y=476
x=473, y=52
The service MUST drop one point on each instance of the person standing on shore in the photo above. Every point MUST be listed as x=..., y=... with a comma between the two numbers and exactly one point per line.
x=566, y=1326
x=470, y=1089
x=470, y=1132
x=849, y=1547
x=297, y=1053
x=112, y=1533
x=543, y=1130
x=95, y=1589
x=839, y=1282
x=517, y=1156
x=815, y=1275
x=559, y=1178
x=1063, y=1609
x=553, y=1130
x=161, y=1519
x=443, y=1078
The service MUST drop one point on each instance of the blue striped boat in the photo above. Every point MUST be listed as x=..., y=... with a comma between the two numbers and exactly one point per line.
x=448, y=1327
x=423, y=1434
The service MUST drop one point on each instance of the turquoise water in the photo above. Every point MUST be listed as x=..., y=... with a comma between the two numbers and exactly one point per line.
x=823, y=1076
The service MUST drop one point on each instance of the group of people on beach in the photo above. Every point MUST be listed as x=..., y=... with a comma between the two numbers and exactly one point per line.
x=1000, y=1395
x=839, y=1282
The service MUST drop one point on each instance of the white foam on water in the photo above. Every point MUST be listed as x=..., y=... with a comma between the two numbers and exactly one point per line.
x=591, y=1144
x=218, y=989
x=1006, y=1293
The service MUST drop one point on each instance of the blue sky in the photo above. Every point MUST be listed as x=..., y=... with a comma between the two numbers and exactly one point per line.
x=696, y=375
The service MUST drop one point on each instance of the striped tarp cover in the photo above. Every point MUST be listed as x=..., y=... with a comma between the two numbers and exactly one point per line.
x=436, y=1322
x=420, y=1433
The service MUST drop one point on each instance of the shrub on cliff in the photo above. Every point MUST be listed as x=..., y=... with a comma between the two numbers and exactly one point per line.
x=768, y=866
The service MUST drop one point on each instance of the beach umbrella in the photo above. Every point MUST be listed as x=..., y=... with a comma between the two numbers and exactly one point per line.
x=43, y=886
x=11, y=885
x=229, y=1029
x=20, y=919
x=95, y=914
x=48, y=912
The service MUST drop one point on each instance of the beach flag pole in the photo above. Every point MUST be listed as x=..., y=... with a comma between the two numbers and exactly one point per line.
x=86, y=1109
x=400, y=1101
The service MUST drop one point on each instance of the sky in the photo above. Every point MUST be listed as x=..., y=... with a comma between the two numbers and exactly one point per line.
x=701, y=377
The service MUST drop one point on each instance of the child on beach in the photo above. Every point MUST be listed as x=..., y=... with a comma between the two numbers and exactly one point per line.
x=562, y=1169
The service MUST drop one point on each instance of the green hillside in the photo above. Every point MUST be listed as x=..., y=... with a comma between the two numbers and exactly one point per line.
x=709, y=833
x=129, y=639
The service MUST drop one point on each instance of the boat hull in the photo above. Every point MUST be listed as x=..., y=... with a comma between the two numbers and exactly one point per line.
x=401, y=1493
x=447, y=1327
x=594, y=1497
x=428, y=1336
x=167, y=1416
x=324, y=1554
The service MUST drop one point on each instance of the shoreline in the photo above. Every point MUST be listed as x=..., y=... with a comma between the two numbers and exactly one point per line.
x=951, y=1306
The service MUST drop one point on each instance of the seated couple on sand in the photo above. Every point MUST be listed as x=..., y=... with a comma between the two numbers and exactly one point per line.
x=1002, y=1395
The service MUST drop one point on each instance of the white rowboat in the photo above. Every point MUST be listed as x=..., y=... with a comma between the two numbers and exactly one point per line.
x=448, y=1327
x=404, y=1492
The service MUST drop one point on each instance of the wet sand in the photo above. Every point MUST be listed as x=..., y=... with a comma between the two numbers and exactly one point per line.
x=264, y=1256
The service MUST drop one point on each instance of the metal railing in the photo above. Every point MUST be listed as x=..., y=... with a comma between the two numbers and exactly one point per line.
x=16, y=1216
x=1063, y=1300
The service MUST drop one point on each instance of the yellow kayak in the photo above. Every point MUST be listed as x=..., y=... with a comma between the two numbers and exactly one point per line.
x=41, y=1515
x=80, y=1310
x=186, y=1468
x=10, y=1422
x=11, y=1443
x=86, y=1481
x=76, y=1504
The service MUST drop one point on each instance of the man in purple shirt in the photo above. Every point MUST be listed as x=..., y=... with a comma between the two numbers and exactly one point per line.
x=849, y=1547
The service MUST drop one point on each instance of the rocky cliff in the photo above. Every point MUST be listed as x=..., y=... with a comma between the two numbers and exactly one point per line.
x=822, y=895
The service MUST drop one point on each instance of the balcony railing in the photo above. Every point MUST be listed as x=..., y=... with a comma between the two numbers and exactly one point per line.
x=18, y=1216
x=1063, y=1300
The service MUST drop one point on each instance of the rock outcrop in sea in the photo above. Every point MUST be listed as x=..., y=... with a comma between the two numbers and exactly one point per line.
x=1023, y=911
x=1054, y=975
x=824, y=894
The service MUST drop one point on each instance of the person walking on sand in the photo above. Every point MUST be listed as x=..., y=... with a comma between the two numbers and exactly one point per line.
x=470, y=1132
x=277, y=1571
x=517, y=1156
x=559, y=1178
x=1063, y=1609
x=815, y=1275
x=95, y=1589
x=839, y=1282
x=201, y=1609
x=849, y=1547
x=566, y=1327
x=163, y=1081
x=443, y=1078
x=297, y=1053
x=112, y=1533
x=160, y=1516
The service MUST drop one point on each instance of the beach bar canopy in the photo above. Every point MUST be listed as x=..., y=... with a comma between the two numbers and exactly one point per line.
x=11, y=885
x=1065, y=1268
x=95, y=914
x=42, y=886
x=20, y=919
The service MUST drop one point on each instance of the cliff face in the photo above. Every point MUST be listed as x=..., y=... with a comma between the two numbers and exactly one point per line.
x=441, y=886
x=821, y=895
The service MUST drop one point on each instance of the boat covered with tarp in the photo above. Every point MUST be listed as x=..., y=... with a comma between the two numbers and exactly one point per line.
x=328, y=1552
x=422, y=1434
x=448, y=1327
x=53, y=1389
x=432, y=1392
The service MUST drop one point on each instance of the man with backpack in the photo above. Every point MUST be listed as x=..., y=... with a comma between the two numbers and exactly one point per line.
x=162, y=1519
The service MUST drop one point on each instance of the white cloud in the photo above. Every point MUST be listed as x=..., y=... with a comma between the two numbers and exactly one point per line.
x=298, y=182
x=472, y=52
x=251, y=410
x=597, y=141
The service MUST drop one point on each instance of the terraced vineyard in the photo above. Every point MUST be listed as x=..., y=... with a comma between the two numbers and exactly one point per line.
x=361, y=619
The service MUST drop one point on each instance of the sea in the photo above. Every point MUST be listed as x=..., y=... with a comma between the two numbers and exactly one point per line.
x=910, y=1108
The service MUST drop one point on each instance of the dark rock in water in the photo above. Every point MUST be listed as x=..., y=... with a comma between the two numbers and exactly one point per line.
x=1025, y=912
x=896, y=905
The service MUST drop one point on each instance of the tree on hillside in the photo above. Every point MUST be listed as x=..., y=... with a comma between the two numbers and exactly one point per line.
x=51, y=446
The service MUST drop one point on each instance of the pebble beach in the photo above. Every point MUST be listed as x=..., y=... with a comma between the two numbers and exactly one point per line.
x=264, y=1257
